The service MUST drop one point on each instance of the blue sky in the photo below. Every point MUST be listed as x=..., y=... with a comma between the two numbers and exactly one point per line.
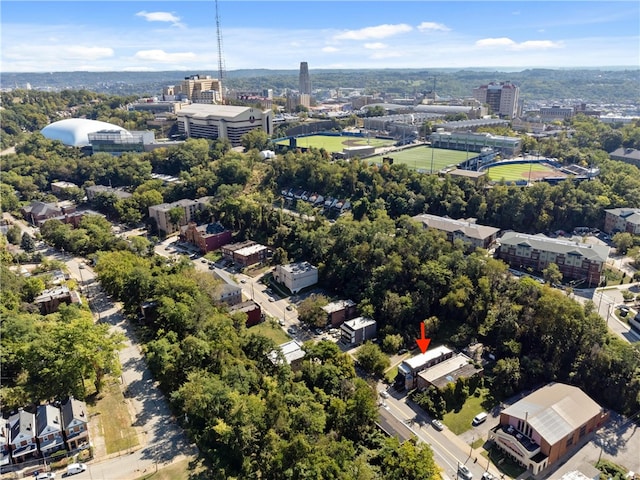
x=181, y=35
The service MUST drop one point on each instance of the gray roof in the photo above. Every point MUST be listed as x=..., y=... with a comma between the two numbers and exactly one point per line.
x=555, y=410
x=631, y=215
x=47, y=416
x=468, y=228
x=72, y=410
x=338, y=305
x=540, y=242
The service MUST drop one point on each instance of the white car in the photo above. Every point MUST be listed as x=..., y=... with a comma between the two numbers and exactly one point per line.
x=464, y=472
x=437, y=424
x=46, y=476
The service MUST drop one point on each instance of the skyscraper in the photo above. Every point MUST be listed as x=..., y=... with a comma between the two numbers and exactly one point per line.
x=305, y=80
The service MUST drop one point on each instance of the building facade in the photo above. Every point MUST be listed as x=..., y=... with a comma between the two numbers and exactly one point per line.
x=503, y=98
x=622, y=220
x=409, y=369
x=296, y=276
x=207, y=238
x=222, y=122
x=251, y=309
x=476, y=142
x=469, y=232
x=246, y=253
x=160, y=213
x=546, y=425
x=358, y=330
x=339, y=311
x=197, y=87
x=304, y=79
x=577, y=261
x=75, y=423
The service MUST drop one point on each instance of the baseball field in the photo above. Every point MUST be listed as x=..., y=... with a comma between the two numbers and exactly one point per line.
x=334, y=144
x=522, y=171
x=423, y=158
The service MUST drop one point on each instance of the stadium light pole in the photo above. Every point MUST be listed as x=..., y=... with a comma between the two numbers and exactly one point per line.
x=431, y=157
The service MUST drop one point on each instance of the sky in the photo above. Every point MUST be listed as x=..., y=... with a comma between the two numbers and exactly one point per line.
x=87, y=35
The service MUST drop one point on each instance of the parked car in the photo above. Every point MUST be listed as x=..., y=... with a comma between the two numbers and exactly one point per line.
x=384, y=394
x=487, y=476
x=75, y=468
x=479, y=418
x=46, y=476
x=464, y=472
x=281, y=322
x=292, y=330
x=437, y=424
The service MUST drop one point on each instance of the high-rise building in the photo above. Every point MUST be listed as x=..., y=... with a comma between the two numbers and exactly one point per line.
x=502, y=98
x=202, y=89
x=305, y=80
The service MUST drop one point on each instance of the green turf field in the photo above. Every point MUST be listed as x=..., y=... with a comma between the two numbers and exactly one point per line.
x=336, y=144
x=520, y=171
x=420, y=157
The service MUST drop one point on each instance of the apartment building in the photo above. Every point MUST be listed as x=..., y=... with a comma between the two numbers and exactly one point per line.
x=469, y=232
x=502, y=98
x=622, y=220
x=160, y=213
x=576, y=261
x=296, y=276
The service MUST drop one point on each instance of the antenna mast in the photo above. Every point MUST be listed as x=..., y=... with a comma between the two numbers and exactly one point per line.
x=220, y=58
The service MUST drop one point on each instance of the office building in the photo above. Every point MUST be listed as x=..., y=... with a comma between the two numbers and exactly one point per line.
x=305, y=79
x=358, y=330
x=195, y=86
x=296, y=276
x=502, y=98
x=160, y=213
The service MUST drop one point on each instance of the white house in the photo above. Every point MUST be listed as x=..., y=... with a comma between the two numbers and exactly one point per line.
x=49, y=429
x=296, y=276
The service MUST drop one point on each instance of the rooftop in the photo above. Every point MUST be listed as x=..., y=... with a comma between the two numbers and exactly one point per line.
x=459, y=366
x=424, y=358
x=338, y=305
x=359, y=322
x=469, y=228
x=541, y=242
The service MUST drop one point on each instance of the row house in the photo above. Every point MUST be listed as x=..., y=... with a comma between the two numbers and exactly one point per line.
x=577, y=261
x=622, y=220
x=52, y=428
x=409, y=369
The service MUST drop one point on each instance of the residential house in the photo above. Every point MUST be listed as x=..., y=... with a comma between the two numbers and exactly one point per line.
x=37, y=212
x=75, y=423
x=49, y=429
x=245, y=253
x=577, y=261
x=5, y=452
x=190, y=208
x=448, y=371
x=290, y=352
x=628, y=155
x=296, y=276
x=22, y=436
x=339, y=311
x=93, y=190
x=251, y=309
x=207, y=238
x=62, y=188
x=229, y=294
x=467, y=230
x=543, y=428
x=622, y=220
x=409, y=369
x=358, y=330
x=49, y=300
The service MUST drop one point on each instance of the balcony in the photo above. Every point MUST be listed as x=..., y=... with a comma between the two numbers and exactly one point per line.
x=517, y=443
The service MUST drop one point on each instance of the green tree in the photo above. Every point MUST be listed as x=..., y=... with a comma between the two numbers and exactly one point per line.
x=310, y=311
x=623, y=241
x=392, y=343
x=14, y=234
x=175, y=216
x=27, y=243
x=552, y=274
x=372, y=359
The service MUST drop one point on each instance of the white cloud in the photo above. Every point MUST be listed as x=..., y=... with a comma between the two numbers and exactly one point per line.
x=90, y=53
x=375, y=46
x=495, y=42
x=433, y=26
x=164, y=57
x=511, y=45
x=159, y=17
x=374, y=33
x=330, y=49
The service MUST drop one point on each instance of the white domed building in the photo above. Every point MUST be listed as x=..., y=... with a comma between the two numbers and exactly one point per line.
x=74, y=132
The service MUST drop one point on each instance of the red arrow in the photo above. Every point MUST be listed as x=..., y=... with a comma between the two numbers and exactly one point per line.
x=422, y=342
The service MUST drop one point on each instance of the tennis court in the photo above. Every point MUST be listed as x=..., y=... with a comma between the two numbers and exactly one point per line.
x=522, y=171
x=424, y=157
x=333, y=144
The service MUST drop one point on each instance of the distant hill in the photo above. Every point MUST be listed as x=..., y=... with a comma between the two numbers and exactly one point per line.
x=610, y=85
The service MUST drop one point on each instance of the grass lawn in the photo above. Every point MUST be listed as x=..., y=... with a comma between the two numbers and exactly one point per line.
x=176, y=471
x=337, y=144
x=270, y=330
x=114, y=419
x=503, y=463
x=519, y=171
x=420, y=157
x=459, y=422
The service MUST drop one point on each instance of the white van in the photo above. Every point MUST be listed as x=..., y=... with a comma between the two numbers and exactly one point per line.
x=74, y=468
x=479, y=418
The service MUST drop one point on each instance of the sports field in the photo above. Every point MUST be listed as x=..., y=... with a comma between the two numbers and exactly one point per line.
x=421, y=158
x=334, y=144
x=522, y=171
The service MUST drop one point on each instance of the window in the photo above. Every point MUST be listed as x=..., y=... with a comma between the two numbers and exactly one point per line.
x=583, y=431
x=570, y=441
